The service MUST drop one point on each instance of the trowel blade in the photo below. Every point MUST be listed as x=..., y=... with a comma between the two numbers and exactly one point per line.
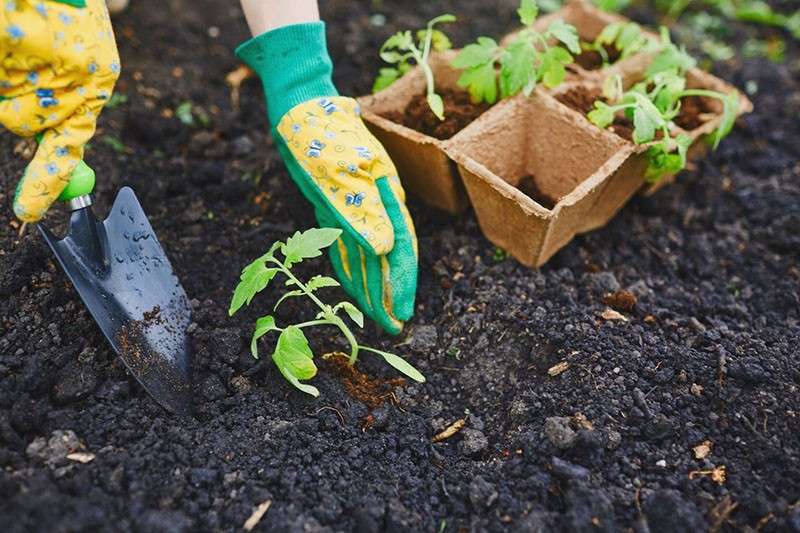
x=125, y=279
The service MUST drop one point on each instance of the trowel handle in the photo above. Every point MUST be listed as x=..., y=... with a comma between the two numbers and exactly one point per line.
x=80, y=184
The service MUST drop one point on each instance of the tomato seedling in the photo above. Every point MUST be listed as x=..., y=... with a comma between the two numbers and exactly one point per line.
x=400, y=49
x=292, y=355
x=530, y=58
x=653, y=103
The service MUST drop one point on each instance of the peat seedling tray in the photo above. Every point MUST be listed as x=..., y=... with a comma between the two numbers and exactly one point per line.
x=535, y=169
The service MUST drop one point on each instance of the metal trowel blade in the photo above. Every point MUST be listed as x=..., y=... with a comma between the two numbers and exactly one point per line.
x=125, y=279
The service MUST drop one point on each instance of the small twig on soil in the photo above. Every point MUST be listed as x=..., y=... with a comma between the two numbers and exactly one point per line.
x=234, y=79
x=721, y=512
x=22, y=230
x=451, y=430
x=258, y=514
x=341, y=418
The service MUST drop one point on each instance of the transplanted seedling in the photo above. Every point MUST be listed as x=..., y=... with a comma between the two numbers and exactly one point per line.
x=529, y=59
x=653, y=104
x=400, y=49
x=292, y=354
x=626, y=37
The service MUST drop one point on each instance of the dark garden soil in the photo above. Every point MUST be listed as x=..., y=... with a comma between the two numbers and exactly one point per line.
x=529, y=186
x=582, y=100
x=591, y=60
x=459, y=112
x=682, y=414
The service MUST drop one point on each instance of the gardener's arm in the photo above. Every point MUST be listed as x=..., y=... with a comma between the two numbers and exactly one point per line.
x=339, y=166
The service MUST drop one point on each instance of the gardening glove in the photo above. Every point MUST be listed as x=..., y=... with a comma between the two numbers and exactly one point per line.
x=58, y=65
x=341, y=169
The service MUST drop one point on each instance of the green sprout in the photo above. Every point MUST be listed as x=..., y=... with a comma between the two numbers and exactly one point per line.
x=292, y=355
x=653, y=103
x=626, y=37
x=529, y=59
x=400, y=49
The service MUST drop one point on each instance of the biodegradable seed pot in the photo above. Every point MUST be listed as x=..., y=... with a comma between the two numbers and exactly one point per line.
x=535, y=169
x=421, y=159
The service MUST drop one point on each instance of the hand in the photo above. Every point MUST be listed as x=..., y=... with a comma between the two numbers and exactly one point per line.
x=341, y=169
x=60, y=63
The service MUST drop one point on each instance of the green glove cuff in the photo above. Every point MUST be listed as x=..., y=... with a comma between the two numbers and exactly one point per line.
x=293, y=64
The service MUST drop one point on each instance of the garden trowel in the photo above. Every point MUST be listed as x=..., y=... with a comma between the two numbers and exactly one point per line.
x=125, y=279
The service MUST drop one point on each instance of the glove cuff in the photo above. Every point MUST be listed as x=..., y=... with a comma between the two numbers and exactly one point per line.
x=293, y=64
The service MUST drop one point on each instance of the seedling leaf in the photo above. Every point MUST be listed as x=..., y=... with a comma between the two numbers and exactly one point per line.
x=481, y=82
x=294, y=359
x=318, y=282
x=528, y=12
x=602, y=115
x=290, y=294
x=436, y=104
x=263, y=326
x=386, y=77
x=567, y=34
x=730, y=103
x=552, y=66
x=476, y=54
x=352, y=311
x=400, y=364
x=255, y=277
x=308, y=244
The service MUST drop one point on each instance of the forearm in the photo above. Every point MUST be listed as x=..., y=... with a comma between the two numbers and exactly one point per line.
x=266, y=15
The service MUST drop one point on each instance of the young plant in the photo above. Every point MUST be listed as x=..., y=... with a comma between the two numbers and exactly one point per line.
x=526, y=61
x=292, y=354
x=626, y=37
x=653, y=103
x=400, y=49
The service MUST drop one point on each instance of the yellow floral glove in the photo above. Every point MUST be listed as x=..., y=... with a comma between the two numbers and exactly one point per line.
x=58, y=66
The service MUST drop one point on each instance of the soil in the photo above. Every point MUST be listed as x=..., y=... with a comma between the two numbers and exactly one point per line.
x=579, y=419
x=459, y=112
x=583, y=99
x=528, y=185
x=591, y=60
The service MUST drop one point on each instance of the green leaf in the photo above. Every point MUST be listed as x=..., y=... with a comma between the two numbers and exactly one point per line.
x=609, y=33
x=263, y=326
x=439, y=40
x=567, y=34
x=517, y=68
x=436, y=104
x=255, y=277
x=552, y=66
x=290, y=294
x=528, y=12
x=730, y=104
x=646, y=119
x=304, y=387
x=482, y=83
x=476, y=54
x=318, y=282
x=294, y=359
x=683, y=142
x=184, y=113
x=401, y=40
x=629, y=34
x=386, y=77
x=391, y=56
x=602, y=115
x=352, y=311
x=400, y=364
x=308, y=244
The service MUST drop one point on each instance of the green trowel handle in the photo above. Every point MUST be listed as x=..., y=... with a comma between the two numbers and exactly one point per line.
x=81, y=183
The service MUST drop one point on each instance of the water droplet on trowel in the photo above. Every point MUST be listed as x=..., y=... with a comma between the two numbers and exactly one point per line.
x=119, y=258
x=129, y=276
x=139, y=235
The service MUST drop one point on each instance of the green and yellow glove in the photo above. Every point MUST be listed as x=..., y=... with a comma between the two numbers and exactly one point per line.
x=58, y=66
x=341, y=169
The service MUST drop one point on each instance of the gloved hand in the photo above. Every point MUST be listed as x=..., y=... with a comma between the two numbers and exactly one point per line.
x=341, y=169
x=58, y=65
